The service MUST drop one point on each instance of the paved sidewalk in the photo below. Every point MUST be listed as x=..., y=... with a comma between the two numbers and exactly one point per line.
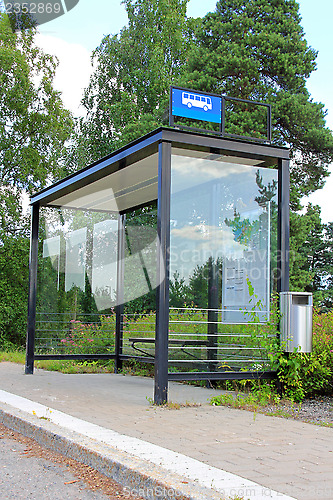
x=287, y=456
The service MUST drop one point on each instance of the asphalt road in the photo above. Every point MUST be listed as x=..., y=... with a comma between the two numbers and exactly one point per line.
x=26, y=477
x=30, y=471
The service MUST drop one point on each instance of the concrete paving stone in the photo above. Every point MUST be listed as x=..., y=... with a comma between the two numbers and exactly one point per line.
x=311, y=461
x=266, y=454
x=316, y=494
x=319, y=478
x=250, y=472
x=319, y=469
x=316, y=486
x=270, y=472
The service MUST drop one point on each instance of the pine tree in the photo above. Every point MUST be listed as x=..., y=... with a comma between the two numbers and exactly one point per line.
x=256, y=50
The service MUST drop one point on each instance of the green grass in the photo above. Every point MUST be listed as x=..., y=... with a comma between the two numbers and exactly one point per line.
x=13, y=356
x=56, y=365
x=73, y=366
x=263, y=400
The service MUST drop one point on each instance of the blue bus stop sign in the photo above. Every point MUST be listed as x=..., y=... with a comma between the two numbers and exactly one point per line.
x=196, y=105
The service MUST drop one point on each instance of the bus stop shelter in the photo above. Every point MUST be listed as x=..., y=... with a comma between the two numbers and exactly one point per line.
x=163, y=252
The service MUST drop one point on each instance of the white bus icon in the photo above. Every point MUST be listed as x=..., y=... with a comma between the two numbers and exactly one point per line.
x=197, y=101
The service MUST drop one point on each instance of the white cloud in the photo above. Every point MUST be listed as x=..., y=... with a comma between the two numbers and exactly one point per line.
x=211, y=238
x=73, y=72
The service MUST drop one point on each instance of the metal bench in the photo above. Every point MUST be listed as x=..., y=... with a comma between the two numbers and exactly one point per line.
x=182, y=343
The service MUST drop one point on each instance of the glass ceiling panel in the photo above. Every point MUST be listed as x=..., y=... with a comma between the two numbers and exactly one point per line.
x=129, y=187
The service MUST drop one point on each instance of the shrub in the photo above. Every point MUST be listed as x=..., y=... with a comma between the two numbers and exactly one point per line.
x=309, y=374
x=317, y=367
x=91, y=338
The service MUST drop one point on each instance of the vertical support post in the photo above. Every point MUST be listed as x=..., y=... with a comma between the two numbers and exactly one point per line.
x=162, y=296
x=213, y=284
x=32, y=300
x=269, y=123
x=171, y=118
x=283, y=236
x=222, y=126
x=118, y=364
x=283, y=227
x=213, y=305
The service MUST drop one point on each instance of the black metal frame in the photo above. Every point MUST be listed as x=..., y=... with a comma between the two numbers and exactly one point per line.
x=32, y=301
x=222, y=124
x=162, y=298
x=161, y=140
x=120, y=294
x=244, y=137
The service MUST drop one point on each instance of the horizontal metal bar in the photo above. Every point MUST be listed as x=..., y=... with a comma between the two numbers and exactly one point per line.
x=141, y=359
x=74, y=356
x=222, y=361
x=136, y=322
x=179, y=126
x=193, y=309
x=138, y=315
x=71, y=349
x=269, y=375
x=141, y=331
x=197, y=309
x=217, y=322
x=73, y=313
x=217, y=346
x=215, y=335
x=247, y=101
x=264, y=140
x=70, y=321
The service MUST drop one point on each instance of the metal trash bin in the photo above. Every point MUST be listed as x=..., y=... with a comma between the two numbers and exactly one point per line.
x=296, y=321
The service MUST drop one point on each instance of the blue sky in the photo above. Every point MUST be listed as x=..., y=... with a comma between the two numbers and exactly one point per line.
x=73, y=36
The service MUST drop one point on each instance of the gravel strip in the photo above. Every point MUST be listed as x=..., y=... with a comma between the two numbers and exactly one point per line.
x=317, y=410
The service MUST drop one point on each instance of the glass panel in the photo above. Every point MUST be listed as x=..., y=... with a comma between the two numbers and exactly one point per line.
x=77, y=279
x=75, y=267
x=129, y=187
x=104, y=269
x=77, y=274
x=223, y=250
x=140, y=281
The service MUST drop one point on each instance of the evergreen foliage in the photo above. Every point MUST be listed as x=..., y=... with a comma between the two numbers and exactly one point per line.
x=256, y=50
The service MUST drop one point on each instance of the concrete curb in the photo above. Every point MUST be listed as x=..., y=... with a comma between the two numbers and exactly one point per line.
x=136, y=475
x=140, y=467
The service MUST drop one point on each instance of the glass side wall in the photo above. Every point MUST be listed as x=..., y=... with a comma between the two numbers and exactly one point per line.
x=223, y=232
x=77, y=278
x=77, y=275
x=140, y=282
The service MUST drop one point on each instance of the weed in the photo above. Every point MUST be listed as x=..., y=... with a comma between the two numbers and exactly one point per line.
x=170, y=405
